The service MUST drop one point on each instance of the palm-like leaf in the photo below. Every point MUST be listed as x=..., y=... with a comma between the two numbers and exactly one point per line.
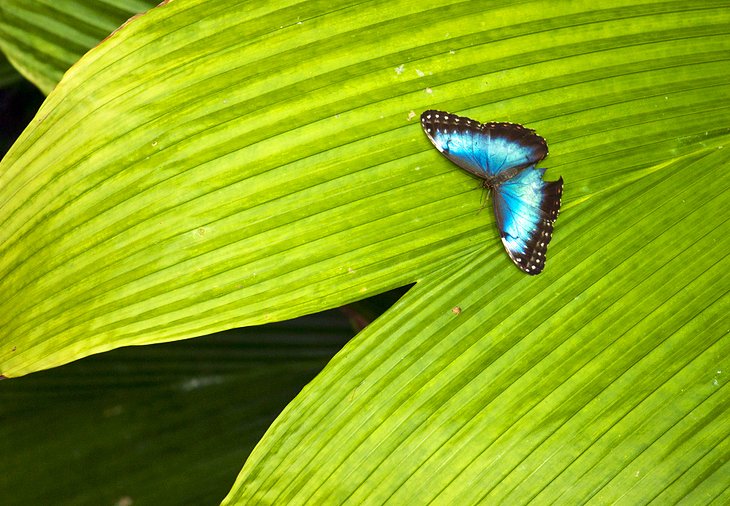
x=217, y=164
x=43, y=38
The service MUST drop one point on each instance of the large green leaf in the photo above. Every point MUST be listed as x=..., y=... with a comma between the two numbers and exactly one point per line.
x=553, y=390
x=43, y=38
x=216, y=164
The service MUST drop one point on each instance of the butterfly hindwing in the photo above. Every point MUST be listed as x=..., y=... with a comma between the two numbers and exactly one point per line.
x=526, y=208
x=491, y=151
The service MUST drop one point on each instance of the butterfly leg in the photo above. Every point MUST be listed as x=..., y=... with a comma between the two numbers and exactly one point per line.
x=486, y=191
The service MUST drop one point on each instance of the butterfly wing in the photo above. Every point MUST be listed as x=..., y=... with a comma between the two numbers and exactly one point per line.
x=491, y=151
x=526, y=208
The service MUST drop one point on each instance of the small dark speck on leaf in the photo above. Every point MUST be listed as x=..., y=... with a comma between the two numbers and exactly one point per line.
x=456, y=310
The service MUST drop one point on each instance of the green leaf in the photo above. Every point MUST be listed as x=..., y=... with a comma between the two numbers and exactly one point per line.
x=187, y=200
x=43, y=38
x=211, y=166
x=8, y=75
x=552, y=389
x=165, y=424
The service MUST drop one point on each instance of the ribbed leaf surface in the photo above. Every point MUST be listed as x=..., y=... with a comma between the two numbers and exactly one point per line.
x=43, y=38
x=218, y=164
x=548, y=391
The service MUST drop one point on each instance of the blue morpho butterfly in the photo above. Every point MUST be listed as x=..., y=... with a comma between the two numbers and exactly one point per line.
x=503, y=156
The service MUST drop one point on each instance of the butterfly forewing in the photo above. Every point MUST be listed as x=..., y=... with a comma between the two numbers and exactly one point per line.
x=492, y=151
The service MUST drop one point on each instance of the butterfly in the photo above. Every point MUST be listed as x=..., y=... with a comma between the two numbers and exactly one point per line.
x=503, y=156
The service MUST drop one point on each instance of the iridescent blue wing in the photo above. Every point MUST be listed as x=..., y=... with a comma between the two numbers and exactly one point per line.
x=526, y=208
x=494, y=152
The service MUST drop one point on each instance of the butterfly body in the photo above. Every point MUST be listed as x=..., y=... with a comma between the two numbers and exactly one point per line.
x=504, y=156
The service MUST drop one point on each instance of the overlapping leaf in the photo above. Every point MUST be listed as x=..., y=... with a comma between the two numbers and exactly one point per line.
x=43, y=38
x=166, y=424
